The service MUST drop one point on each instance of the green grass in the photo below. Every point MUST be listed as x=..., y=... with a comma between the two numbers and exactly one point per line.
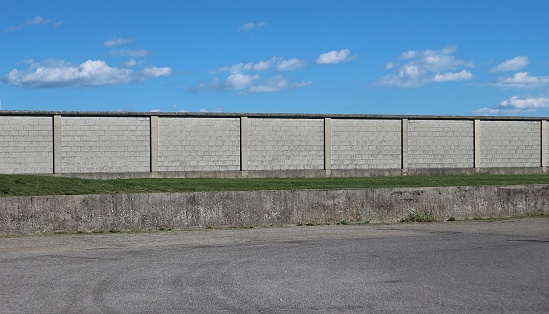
x=25, y=185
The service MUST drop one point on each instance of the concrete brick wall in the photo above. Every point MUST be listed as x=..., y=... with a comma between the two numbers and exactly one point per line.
x=105, y=144
x=285, y=144
x=366, y=144
x=440, y=144
x=100, y=145
x=26, y=144
x=510, y=143
x=198, y=144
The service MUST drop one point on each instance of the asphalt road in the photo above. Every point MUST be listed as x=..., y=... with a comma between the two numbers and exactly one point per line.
x=452, y=267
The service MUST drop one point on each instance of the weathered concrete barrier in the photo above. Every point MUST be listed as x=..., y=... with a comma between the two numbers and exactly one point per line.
x=124, y=212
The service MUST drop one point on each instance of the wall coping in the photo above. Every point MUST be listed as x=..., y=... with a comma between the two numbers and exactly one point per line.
x=259, y=115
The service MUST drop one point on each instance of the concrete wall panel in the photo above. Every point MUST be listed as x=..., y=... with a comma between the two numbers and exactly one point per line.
x=366, y=144
x=510, y=143
x=105, y=144
x=198, y=144
x=26, y=145
x=285, y=144
x=440, y=144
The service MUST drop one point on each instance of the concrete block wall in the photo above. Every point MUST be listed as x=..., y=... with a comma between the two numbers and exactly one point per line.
x=440, y=144
x=285, y=144
x=510, y=144
x=230, y=144
x=105, y=144
x=366, y=144
x=198, y=144
x=26, y=144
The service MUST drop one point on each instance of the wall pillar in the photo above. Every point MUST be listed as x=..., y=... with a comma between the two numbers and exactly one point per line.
x=328, y=145
x=57, y=145
x=244, y=145
x=476, y=143
x=404, y=139
x=154, y=143
x=544, y=139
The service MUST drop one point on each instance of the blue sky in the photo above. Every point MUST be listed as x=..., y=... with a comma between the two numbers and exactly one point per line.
x=465, y=57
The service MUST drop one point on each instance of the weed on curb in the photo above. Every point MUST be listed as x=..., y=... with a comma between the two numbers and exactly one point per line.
x=419, y=216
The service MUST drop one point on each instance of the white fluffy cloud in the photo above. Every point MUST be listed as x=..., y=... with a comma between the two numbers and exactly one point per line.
x=131, y=63
x=244, y=83
x=456, y=76
x=88, y=74
x=130, y=52
x=334, y=57
x=250, y=26
x=522, y=80
x=514, y=64
x=516, y=105
x=275, y=62
x=117, y=41
x=525, y=103
x=276, y=84
x=37, y=20
x=426, y=66
x=242, y=67
x=290, y=65
x=239, y=81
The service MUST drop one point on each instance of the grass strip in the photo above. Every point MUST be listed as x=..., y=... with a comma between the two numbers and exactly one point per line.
x=30, y=185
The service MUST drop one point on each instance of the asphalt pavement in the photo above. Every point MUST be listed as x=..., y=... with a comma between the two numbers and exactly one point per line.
x=445, y=267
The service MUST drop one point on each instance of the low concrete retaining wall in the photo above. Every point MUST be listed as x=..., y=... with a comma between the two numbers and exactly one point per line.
x=124, y=212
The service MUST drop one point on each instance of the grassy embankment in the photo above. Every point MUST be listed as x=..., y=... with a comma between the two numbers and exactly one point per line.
x=27, y=185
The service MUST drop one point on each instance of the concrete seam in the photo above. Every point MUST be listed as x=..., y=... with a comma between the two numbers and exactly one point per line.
x=57, y=145
x=244, y=144
x=327, y=144
x=154, y=143
x=544, y=139
x=476, y=143
x=404, y=152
